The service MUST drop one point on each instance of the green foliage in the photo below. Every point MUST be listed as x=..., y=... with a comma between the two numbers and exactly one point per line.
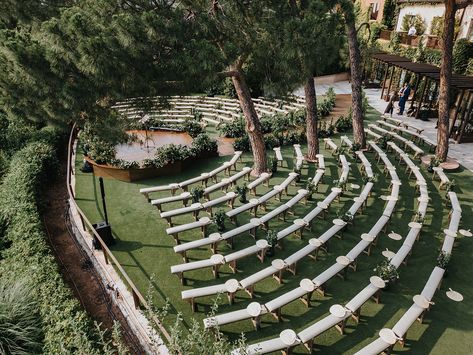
x=171, y=153
x=395, y=41
x=443, y=259
x=242, y=143
x=20, y=326
x=233, y=129
x=343, y=124
x=197, y=193
x=219, y=219
x=273, y=165
x=203, y=144
x=64, y=324
x=417, y=21
x=241, y=191
x=272, y=237
x=462, y=53
x=193, y=128
x=389, y=11
x=386, y=271
x=271, y=141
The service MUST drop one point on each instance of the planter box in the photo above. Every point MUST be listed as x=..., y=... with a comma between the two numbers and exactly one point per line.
x=385, y=34
x=137, y=174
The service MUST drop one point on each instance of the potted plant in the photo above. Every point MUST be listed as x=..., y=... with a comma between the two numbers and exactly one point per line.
x=443, y=259
x=311, y=188
x=273, y=164
x=387, y=272
x=434, y=162
x=197, y=193
x=242, y=191
x=219, y=220
x=272, y=238
x=297, y=170
x=383, y=142
x=354, y=148
x=419, y=218
x=346, y=217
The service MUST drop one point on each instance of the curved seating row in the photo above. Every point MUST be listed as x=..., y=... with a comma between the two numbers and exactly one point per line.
x=204, y=177
x=337, y=319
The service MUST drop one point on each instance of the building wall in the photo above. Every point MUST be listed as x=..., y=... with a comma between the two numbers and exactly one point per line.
x=378, y=5
x=428, y=12
x=466, y=26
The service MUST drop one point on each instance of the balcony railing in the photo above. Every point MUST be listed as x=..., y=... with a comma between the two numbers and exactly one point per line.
x=429, y=40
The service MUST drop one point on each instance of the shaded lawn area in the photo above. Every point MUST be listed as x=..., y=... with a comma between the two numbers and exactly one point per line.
x=144, y=249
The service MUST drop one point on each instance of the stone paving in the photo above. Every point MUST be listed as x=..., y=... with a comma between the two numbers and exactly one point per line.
x=461, y=152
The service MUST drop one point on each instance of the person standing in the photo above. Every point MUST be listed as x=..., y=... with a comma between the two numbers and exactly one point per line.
x=403, y=97
x=390, y=108
x=412, y=31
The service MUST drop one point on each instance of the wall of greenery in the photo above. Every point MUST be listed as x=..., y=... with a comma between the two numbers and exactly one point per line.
x=59, y=326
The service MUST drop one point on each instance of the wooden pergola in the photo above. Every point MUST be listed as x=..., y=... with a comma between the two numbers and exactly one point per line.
x=424, y=96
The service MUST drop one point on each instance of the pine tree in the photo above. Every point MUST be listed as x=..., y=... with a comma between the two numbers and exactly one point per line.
x=348, y=11
x=306, y=41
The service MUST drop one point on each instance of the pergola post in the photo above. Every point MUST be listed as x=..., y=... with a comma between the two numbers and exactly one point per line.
x=384, y=80
x=427, y=83
x=415, y=90
x=458, y=103
x=465, y=116
x=391, y=80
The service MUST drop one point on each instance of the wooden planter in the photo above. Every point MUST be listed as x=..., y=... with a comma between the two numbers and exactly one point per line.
x=137, y=174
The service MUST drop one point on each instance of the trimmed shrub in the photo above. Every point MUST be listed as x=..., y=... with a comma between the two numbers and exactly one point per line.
x=233, y=129
x=204, y=144
x=65, y=325
x=242, y=143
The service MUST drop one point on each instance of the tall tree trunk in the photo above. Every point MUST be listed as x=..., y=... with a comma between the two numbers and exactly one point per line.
x=311, y=119
x=253, y=125
x=356, y=78
x=445, y=80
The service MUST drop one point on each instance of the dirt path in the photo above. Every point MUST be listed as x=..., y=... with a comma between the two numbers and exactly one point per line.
x=76, y=267
x=342, y=105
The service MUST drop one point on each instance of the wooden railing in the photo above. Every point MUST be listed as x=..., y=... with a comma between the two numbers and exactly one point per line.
x=138, y=299
x=429, y=40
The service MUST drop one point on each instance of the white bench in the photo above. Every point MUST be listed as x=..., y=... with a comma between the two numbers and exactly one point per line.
x=438, y=172
x=329, y=143
x=202, y=223
x=278, y=154
x=263, y=178
x=194, y=209
x=184, y=197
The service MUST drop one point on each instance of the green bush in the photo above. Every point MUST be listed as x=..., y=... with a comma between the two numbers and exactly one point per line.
x=271, y=141
x=462, y=53
x=204, y=144
x=65, y=326
x=413, y=20
x=20, y=326
x=233, y=129
x=193, y=128
x=242, y=143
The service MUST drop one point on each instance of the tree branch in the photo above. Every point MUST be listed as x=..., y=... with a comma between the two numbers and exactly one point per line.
x=229, y=73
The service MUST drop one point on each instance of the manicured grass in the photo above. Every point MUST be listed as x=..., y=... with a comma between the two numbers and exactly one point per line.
x=144, y=250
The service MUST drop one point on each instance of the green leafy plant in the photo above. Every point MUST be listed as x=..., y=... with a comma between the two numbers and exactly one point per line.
x=443, y=259
x=233, y=129
x=367, y=179
x=273, y=165
x=417, y=21
x=450, y=186
x=193, y=128
x=419, y=218
x=219, y=219
x=272, y=238
x=197, y=193
x=346, y=217
x=242, y=191
x=310, y=186
x=242, y=143
x=343, y=124
x=204, y=144
x=386, y=271
x=297, y=170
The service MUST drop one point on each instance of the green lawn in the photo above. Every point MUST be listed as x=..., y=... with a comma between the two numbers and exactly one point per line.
x=144, y=250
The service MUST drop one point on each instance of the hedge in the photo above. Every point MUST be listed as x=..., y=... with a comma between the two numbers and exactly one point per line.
x=26, y=254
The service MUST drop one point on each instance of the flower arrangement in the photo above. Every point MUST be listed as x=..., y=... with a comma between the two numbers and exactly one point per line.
x=443, y=259
x=310, y=186
x=386, y=271
x=272, y=238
